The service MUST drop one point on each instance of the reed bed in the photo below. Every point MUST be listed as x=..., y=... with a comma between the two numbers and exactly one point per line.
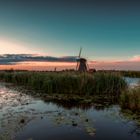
x=134, y=74
x=130, y=99
x=68, y=82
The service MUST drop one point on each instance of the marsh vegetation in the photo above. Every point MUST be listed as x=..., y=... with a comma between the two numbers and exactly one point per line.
x=82, y=105
x=68, y=83
x=130, y=99
x=73, y=87
x=134, y=74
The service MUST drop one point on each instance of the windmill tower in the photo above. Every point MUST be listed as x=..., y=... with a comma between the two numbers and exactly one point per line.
x=81, y=63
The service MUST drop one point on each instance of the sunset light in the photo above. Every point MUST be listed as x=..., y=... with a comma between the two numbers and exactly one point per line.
x=69, y=69
x=9, y=47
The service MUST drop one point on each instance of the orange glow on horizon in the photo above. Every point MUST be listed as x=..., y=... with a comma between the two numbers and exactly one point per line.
x=47, y=66
x=41, y=66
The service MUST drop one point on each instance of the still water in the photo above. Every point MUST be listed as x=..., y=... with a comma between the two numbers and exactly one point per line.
x=23, y=117
x=132, y=81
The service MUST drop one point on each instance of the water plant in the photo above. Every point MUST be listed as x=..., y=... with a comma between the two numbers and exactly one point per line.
x=130, y=99
x=134, y=74
x=68, y=83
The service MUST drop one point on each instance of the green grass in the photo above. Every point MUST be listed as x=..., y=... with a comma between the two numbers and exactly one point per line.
x=68, y=82
x=134, y=74
x=81, y=85
x=130, y=99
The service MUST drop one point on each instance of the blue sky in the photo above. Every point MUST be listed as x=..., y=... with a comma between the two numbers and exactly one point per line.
x=106, y=29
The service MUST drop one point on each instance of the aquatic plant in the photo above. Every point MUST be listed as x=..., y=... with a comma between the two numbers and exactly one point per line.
x=130, y=99
x=68, y=83
x=134, y=74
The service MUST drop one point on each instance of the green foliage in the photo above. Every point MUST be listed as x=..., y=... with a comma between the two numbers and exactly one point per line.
x=108, y=83
x=130, y=99
x=134, y=74
x=68, y=82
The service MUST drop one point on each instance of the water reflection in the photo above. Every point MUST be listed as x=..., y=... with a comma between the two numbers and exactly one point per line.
x=131, y=117
x=23, y=117
x=132, y=82
x=83, y=106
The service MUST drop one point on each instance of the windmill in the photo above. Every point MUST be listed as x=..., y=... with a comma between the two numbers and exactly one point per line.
x=82, y=65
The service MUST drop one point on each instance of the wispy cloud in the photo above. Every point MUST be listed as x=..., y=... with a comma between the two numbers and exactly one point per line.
x=39, y=62
x=136, y=58
x=15, y=58
x=10, y=59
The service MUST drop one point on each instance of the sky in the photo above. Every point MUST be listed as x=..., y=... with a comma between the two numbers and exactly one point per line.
x=107, y=30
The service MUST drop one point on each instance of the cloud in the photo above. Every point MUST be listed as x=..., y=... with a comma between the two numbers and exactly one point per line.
x=39, y=62
x=130, y=64
x=10, y=59
x=136, y=58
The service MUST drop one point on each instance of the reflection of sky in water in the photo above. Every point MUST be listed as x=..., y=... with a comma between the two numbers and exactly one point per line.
x=132, y=81
x=50, y=121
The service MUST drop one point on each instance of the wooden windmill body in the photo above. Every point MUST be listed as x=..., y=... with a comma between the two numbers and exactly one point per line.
x=81, y=63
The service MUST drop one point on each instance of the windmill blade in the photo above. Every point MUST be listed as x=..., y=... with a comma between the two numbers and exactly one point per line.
x=80, y=52
x=77, y=66
x=78, y=58
x=88, y=67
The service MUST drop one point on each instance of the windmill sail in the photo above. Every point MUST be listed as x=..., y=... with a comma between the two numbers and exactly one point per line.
x=80, y=52
x=78, y=59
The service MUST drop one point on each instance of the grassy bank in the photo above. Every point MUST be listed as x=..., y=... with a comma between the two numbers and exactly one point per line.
x=134, y=74
x=68, y=83
x=130, y=99
x=72, y=87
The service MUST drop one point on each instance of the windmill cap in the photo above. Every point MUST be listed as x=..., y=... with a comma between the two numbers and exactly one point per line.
x=82, y=59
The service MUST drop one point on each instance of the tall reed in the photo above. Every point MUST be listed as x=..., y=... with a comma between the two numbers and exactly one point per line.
x=130, y=99
x=68, y=83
